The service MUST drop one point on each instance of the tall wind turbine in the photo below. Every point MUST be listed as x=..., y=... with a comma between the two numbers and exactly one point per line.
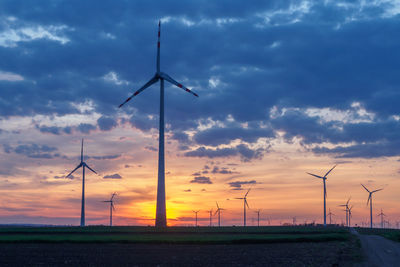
x=111, y=201
x=196, y=211
x=330, y=216
x=350, y=215
x=83, y=165
x=161, y=214
x=244, y=206
x=347, y=210
x=258, y=217
x=370, y=200
x=219, y=214
x=324, y=180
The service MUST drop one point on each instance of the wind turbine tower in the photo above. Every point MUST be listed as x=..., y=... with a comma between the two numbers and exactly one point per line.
x=219, y=214
x=161, y=213
x=330, y=216
x=324, y=181
x=244, y=206
x=196, y=211
x=382, y=215
x=258, y=217
x=83, y=165
x=370, y=201
x=347, y=210
x=111, y=201
x=210, y=212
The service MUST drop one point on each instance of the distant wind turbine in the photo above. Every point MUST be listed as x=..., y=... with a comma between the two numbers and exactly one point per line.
x=347, y=210
x=210, y=212
x=219, y=214
x=111, y=201
x=196, y=211
x=382, y=215
x=370, y=200
x=324, y=180
x=161, y=214
x=258, y=217
x=350, y=215
x=330, y=216
x=83, y=165
x=244, y=206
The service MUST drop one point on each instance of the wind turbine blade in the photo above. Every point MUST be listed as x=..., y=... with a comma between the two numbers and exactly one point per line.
x=239, y=198
x=377, y=190
x=315, y=175
x=217, y=205
x=365, y=188
x=80, y=165
x=90, y=168
x=113, y=195
x=369, y=198
x=152, y=81
x=82, y=151
x=247, y=204
x=112, y=205
x=330, y=170
x=169, y=79
x=158, y=46
x=216, y=212
x=247, y=192
x=347, y=203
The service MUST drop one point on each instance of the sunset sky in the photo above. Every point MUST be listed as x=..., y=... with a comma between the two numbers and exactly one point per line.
x=285, y=88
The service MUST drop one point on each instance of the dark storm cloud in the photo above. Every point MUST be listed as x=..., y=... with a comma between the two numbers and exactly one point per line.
x=54, y=129
x=201, y=180
x=242, y=150
x=264, y=54
x=104, y=157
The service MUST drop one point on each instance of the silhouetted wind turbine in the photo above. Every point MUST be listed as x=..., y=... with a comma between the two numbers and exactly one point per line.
x=83, y=165
x=219, y=214
x=111, y=201
x=323, y=179
x=196, y=211
x=210, y=212
x=330, y=216
x=347, y=210
x=370, y=200
x=258, y=217
x=350, y=215
x=382, y=215
x=161, y=214
x=244, y=206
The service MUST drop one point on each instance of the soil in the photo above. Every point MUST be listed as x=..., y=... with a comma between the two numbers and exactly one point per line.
x=332, y=253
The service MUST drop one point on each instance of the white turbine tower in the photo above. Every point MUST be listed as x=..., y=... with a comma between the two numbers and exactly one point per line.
x=161, y=214
x=324, y=180
x=370, y=201
x=83, y=165
x=111, y=201
x=244, y=206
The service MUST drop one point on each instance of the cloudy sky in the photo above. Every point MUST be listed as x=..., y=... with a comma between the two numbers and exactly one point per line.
x=285, y=88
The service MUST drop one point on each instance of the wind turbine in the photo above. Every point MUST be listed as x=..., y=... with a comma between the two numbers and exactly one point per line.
x=83, y=165
x=350, y=215
x=196, y=211
x=111, y=201
x=244, y=206
x=161, y=214
x=294, y=221
x=370, y=200
x=330, y=216
x=219, y=214
x=258, y=217
x=210, y=212
x=347, y=210
x=324, y=180
x=382, y=215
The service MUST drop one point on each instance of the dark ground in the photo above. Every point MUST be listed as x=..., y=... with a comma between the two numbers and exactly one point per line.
x=333, y=253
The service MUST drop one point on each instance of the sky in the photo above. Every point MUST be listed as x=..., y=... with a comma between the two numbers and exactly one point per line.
x=285, y=88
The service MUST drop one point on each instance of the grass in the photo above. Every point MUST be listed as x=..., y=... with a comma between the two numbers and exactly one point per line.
x=392, y=234
x=172, y=235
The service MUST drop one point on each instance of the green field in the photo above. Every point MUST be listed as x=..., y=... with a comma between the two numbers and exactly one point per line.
x=173, y=235
x=392, y=234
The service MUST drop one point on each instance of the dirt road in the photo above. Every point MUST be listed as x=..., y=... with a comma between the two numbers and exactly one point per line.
x=379, y=251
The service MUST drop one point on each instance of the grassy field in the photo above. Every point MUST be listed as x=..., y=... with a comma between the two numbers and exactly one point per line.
x=392, y=234
x=172, y=235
